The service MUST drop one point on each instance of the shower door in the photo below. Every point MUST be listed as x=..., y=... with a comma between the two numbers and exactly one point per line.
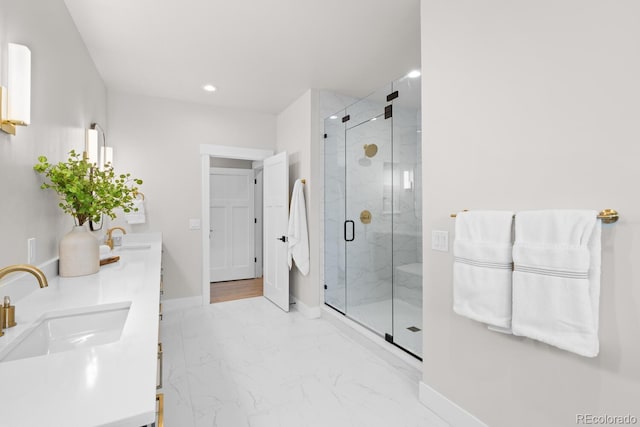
x=369, y=213
x=373, y=215
x=358, y=213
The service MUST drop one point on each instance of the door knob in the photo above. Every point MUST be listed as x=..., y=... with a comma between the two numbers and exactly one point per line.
x=282, y=239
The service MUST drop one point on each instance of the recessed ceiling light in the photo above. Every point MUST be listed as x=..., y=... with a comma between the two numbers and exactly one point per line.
x=413, y=74
x=333, y=117
x=209, y=88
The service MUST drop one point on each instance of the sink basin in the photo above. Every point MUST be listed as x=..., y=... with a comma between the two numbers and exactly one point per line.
x=69, y=330
x=133, y=247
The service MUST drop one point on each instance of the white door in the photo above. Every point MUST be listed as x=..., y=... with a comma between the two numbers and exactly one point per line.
x=231, y=236
x=275, y=193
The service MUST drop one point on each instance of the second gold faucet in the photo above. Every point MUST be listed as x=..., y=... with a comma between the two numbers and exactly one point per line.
x=109, y=239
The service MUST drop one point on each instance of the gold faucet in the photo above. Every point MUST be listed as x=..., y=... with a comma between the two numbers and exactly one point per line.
x=109, y=240
x=27, y=268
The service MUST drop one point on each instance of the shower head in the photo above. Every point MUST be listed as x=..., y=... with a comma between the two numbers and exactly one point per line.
x=370, y=150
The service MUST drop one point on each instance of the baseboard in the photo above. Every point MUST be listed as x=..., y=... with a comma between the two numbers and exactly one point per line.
x=308, y=312
x=180, y=303
x=449, y=411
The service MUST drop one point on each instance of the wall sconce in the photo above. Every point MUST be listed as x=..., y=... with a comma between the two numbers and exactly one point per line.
x=95, y=152
x=91, y=146
x=106, y=154
x=15, y=109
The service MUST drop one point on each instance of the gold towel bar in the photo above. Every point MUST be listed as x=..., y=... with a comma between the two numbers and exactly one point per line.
x=608, y=216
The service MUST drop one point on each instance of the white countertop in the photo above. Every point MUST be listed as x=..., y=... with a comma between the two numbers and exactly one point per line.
x=110, y=384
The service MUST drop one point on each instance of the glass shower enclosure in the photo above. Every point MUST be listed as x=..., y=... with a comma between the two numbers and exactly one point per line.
x=373, y=213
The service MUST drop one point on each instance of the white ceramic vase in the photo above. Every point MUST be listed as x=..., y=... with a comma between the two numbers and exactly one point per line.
x=79, y=253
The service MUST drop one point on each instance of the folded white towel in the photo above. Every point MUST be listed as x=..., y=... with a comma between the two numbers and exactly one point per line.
x=482, y=266
x=298, y=248
x=556, y=279
x=137, y=216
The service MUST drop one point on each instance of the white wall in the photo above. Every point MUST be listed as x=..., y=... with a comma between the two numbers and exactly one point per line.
x=158, y=141
x=67, y=95
x=296, y=132
x=532, y=105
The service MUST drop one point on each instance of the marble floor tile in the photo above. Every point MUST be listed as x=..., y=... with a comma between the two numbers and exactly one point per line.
x=247, y=363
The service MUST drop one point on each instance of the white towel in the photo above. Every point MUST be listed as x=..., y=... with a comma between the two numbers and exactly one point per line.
x=482, y=266
x=105, y=252
x=298, y=249
x=139, y=216
x=556, y=279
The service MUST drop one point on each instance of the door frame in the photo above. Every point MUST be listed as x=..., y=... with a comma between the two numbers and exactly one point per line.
x=226, y=152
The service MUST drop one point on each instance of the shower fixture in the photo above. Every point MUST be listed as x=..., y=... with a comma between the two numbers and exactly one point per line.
x=370, y=150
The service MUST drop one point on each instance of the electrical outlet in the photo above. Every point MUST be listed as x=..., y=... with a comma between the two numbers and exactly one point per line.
x=31, y=250
x=440, y=240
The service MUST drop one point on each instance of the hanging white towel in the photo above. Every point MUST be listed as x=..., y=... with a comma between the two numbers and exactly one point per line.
x=556, y=278
x=139, y=216
x=298, y=249
x=482, y=266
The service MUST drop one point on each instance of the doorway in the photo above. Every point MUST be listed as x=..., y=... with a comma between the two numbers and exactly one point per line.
x=233, y=254
x=214, y=155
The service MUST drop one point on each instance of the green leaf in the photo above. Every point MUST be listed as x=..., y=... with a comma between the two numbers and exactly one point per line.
x=85, y=191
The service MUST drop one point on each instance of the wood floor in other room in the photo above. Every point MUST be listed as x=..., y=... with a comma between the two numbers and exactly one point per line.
x=236, y=289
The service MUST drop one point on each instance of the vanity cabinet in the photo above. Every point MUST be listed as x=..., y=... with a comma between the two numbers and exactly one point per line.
x=115, y=381
x=160, y=396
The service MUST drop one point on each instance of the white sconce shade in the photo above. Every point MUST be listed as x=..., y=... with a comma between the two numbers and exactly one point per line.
x=15, y=109
x=91, y=146
x=19, y=85
x=106, y=156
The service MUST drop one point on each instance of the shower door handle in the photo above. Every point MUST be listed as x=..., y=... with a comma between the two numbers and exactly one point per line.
x=353, y=231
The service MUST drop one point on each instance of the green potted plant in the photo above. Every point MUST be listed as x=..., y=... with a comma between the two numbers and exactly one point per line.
x=86, y=193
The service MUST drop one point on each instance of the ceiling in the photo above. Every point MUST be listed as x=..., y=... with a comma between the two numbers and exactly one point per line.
x=260, y=54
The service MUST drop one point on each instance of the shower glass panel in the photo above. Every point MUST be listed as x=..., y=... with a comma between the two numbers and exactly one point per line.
x=334, y=210
x=369, y=213
x=373, y=235
x=407, y=218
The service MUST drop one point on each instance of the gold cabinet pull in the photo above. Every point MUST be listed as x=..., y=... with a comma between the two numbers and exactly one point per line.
x=160, y=357
x=160, y=410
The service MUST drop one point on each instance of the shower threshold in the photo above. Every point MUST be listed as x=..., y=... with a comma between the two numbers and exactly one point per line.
x=384, y=340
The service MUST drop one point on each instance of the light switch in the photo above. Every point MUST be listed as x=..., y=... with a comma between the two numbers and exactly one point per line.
x=31, y=250
x=440, y=240
x=194, y=224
